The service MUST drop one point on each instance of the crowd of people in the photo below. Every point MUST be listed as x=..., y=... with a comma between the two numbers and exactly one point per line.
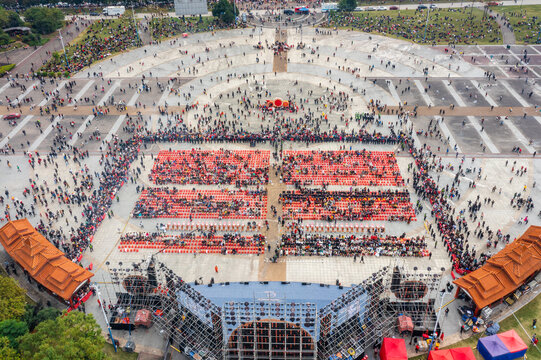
x=218, y=167
x=202, y=204
x=299, y=243
x=185, y=134
x=103, y=38
x=165, y=27
x=353, y=205
x=227, y=243
x=524, y=25
x=94, y=192
x=86, y=202
x=453, y=230
x=447, y=26
x=352, y=168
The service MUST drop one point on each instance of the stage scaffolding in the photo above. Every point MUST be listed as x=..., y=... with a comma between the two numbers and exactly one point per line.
x=353, y=323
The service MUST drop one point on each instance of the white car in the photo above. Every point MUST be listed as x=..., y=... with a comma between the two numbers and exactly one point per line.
x=370, y=8
x=358, y=8
x=381, y=8
x=433, y=6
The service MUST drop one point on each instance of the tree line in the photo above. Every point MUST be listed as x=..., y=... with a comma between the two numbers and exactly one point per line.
x=32, y=332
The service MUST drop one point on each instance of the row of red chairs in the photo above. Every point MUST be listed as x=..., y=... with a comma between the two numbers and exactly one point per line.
x=202, y=250
x=387, y=206
x=201, y=204
x=225, y=244
x=211, y=167
x=362, y=168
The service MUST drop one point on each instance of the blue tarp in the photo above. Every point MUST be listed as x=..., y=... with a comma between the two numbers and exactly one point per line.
x=493, y=329
x=492, y=348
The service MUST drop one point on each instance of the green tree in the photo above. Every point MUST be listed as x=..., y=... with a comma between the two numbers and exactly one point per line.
x=14, y=19
x=12, y=301
x=4, y=18
x=347, y=5
x=29, y=316
x=36, y=314
x=44, y=20
x=12, y=329
x=32, y=39
x=49, y=313
x=225, y=11
x=9, y=18
x=4, y=38
x=6, y=351
x=73, y=336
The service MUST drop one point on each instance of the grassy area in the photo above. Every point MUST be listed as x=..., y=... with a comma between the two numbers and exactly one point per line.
x=446, y=26
x=167, y=27
x=119, y=355
x=11, y=46
x=81, y=10
x=99, y=41
x=154, y=9
x=526, y=21
x=525, y=315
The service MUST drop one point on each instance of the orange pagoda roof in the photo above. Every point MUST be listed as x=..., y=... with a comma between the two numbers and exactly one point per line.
x=41, y=259
x=506, y=271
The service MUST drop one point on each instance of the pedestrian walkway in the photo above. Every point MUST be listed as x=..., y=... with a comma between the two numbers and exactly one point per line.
x=507, y=33
x=280, y=56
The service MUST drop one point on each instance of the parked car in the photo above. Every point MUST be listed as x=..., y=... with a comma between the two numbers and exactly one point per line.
x=381, y=8
x=433, y=6
x=394, y=7
x=358, y=8
x=289, y=12
x=12, y=116
x=493, y=3
x=370, y=8
x=302, y=10
x=422, y=7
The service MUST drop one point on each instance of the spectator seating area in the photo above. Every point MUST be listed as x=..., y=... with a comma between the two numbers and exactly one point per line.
x=228, y=243
x=338, y=228
x=359, y=205
x=300, y=243
x=238, y=167
x=178, y=226
x=351, y=168
x=201, y=204
x=300, y=168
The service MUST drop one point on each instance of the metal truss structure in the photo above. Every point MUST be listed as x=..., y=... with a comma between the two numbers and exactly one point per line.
x=346, y=327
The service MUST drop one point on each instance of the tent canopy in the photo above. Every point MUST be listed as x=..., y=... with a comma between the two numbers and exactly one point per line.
x=492, y=348
x=41, y=259
x=440, y=355
x=405, y=324
x=393, y=349
x=512, y=341
x=464, y=353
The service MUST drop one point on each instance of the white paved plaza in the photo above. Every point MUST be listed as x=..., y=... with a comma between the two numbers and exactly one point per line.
x=220, y=72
